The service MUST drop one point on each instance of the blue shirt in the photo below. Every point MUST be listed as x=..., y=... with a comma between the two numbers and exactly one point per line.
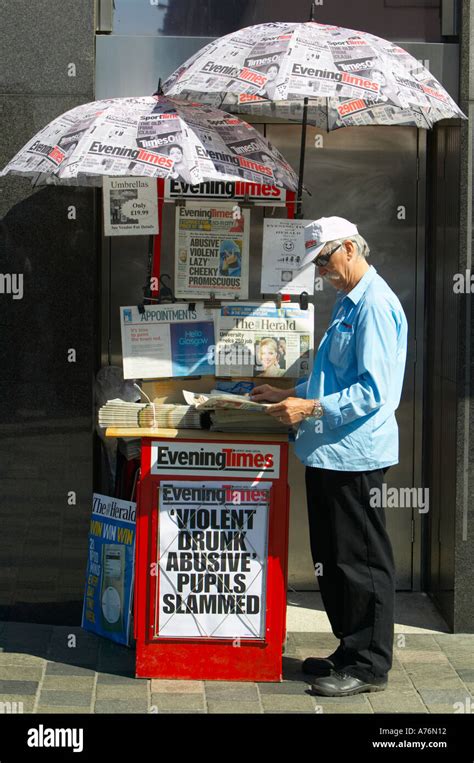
x=358, y=378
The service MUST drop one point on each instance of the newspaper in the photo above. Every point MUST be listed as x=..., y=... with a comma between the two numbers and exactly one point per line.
x=130, y=206
x=283, y=247
x=264, y=68
x=108, y=593
x=216, y=399
x=263, y=340
x=211, y=251
x=166, y=341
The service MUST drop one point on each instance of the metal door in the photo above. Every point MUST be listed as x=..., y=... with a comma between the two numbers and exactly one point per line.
x=371, y=176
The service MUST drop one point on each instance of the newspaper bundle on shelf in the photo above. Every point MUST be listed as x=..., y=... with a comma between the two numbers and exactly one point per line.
x=118, y=413
x=227, y=420
x=234, y=413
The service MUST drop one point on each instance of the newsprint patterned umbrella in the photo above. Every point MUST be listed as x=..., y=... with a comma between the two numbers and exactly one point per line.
x=349, y=78
x=150, y=136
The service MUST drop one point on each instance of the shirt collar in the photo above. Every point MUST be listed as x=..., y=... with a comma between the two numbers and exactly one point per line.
x=359, y=289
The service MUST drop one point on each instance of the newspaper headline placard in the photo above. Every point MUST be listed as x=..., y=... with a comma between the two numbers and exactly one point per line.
x=211, y=251
x=261, y=194
x=283, y=248
x=263, y=340
x=130, y=206
x=110, y=568
x=212, y=551
x=166, y=341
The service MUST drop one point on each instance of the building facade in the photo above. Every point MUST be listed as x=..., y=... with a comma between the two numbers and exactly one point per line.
x=410, y=192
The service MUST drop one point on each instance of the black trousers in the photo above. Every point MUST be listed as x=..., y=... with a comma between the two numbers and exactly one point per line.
x=356, y=571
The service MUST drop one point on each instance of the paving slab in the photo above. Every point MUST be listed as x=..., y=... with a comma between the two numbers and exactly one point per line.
x=63, y=669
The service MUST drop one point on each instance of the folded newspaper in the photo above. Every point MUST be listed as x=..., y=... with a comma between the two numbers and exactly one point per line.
x=216, y=399
x=232, y=420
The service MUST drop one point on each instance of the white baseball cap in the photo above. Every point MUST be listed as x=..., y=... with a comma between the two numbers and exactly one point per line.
x=319, y=232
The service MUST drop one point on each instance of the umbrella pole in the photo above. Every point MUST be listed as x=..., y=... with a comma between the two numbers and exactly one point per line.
x=299, y=197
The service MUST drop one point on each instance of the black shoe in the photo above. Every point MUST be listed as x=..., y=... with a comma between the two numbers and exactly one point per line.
x=344, y=685
x=322, y=666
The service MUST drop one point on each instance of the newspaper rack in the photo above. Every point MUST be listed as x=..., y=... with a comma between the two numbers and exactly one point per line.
x=225, y=636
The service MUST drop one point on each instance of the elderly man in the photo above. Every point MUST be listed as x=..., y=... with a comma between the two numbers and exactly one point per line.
x=348, y=437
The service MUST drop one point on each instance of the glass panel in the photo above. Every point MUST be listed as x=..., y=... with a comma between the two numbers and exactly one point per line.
x=204, y=18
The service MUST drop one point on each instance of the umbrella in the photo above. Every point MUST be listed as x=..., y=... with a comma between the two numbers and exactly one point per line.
x=152, y=136
x=312, y=73
x=349, y=78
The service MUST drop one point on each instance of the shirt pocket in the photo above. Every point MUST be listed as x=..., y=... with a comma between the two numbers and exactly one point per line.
x=341, y=345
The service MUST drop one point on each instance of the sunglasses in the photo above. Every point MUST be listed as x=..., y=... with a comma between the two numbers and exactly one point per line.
x=323, y=259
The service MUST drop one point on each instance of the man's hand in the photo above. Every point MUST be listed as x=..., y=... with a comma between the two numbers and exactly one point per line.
x=291, y=411
x=265, y=393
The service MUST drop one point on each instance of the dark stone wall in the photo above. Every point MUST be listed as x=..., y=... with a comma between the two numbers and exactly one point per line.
x=46, y=440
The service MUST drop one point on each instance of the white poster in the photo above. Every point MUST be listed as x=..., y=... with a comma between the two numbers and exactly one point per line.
x=167, y=341
x=212, y=251
x=212, y=550
x=130, y=206
x=262, y=340
x=283, y=250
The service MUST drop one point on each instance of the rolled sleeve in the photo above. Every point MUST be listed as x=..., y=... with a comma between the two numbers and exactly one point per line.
x=376, y=354
x=301, y=388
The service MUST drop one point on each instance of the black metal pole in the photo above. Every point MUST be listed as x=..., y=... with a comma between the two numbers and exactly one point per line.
x=299, y=197
x=304, y=123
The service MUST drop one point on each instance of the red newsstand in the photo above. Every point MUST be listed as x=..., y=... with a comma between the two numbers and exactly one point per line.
x=211, y=555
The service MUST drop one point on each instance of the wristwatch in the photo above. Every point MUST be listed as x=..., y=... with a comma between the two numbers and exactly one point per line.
x=317, y=410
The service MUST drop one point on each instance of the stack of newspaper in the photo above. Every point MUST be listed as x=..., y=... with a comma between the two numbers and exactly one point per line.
x=118, y=413
x=130, y=447
x=234, y=413
x=226, y=420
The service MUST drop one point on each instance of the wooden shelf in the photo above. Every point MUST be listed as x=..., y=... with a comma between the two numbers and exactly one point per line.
x=193, y=434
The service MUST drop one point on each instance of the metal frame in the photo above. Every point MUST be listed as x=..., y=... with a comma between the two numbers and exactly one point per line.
x=104, y=13
x=418, y=454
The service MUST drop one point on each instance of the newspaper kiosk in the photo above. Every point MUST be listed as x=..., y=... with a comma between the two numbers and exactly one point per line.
x=211, y=555
x=211, y=563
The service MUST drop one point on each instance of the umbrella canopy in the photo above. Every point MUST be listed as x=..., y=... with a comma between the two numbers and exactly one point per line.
x=348, y=77
x=150, y=136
